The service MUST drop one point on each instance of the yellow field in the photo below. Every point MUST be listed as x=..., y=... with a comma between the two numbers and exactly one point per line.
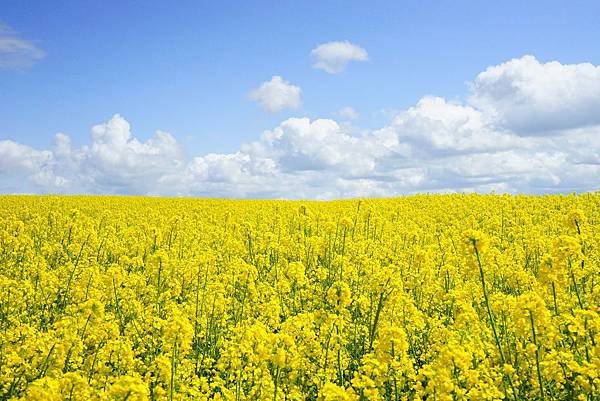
x=426, y=297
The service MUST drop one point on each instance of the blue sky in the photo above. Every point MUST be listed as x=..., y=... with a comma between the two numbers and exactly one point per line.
x=189, y=68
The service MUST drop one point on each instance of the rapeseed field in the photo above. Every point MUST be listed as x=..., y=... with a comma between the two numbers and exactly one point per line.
x=437, y=297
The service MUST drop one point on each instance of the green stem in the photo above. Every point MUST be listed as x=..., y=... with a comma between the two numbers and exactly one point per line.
x=537, y=357
x=554, y=297
x=487, y=304
x=172, y=381
x=339, y=359
x=276, y=384
x=491, y=316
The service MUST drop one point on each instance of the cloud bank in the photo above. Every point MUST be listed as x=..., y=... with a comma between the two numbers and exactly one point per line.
x=526, y=126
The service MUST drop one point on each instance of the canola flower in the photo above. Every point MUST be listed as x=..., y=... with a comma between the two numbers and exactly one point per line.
x=437, y=297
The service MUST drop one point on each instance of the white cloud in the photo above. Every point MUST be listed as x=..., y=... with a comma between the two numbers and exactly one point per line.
x=24, y=169
x=16, y=52
x=113, y=163
x=530, y=97
x=299, y=144
x=333, y=57
x=348, y=113
x=115, y=160
x=277, y=94
x=435, y=146
x=434, y=124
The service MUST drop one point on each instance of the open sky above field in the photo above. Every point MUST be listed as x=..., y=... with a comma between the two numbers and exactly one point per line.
x=307, y=99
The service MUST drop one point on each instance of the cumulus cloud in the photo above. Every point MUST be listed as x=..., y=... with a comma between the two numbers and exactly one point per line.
x=299, y=144
x=114, y=162
x=434, y=146
x=24, y=169
x=333, y=57
x=530, y=97
x=436, y=125
x=16, y=52
x=277, y=94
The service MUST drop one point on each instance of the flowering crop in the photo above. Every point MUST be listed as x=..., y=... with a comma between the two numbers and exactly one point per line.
x=453, y=297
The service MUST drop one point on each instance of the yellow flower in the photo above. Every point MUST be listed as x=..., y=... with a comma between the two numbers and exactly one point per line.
x=339, y=294
x=333, y=392
x=345, y=223
x=130, y=388
x=576, y=220
x=474, y=240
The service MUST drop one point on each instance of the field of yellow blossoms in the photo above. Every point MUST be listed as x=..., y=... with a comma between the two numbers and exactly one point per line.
x=437, y=297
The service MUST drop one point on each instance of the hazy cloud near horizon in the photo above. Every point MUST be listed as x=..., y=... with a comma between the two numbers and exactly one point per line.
x=525, y=126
